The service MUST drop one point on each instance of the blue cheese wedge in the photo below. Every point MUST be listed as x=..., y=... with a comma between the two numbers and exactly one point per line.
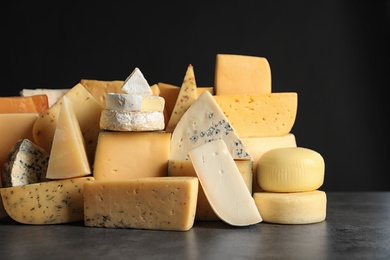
x=136, y=84
x=51, y=202
x=26, y=163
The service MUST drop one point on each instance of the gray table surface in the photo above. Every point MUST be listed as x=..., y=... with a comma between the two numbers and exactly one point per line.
x=357, y=226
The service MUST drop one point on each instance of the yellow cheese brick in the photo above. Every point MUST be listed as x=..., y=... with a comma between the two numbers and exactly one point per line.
x=204, y=211
x=68, y=158
x=261, y=115
x=241, y=74
x=87, y=110
x=158, y=203
x=51, y=202
x=127, y=155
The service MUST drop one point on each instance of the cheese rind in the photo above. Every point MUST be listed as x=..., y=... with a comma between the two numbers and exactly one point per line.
x=290, y=169
x=136, y=84
x=261, y=115
x=204, y=122
x=26, y=163
x=123, y=120
x=223, y=185
x=158, y=203
x=131, y=102
x=292, y=208
x=51, y=202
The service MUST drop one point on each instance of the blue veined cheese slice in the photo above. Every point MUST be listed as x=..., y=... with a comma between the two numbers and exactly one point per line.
x=50, y=202
x=131, y=102
x=223, y=184
x=202, y=123
x=136, y=84
x=26, y=163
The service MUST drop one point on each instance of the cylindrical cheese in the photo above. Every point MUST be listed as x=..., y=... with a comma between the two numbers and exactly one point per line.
x=291, y=208
x=290, y=169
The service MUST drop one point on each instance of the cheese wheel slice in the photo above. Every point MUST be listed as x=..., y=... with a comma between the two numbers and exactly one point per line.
x=290, y=169
x=223, y=184
x=292, y=208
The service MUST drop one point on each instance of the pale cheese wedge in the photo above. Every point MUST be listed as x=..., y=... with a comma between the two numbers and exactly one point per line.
x=68, y=157
x=136, y=84
x=223, y=185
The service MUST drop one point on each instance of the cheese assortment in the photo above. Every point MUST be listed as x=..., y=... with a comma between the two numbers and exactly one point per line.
x=166, y=155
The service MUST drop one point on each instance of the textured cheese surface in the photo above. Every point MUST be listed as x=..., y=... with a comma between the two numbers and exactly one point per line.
x=159, y=203
x=241, y=74
x=136, y=84
x=68, y=157
x=26, y=163
x=187, y=95
x=52, y=94
x=292, y=208
x=123, y=120
x=204, y=122
x=100, y=88
x=204, y=212
x=223, y=185
x=257, y=146
x=88, y=111
x=290, y=169
x=22, y=104
x=14, y=127
x=126, y=155
x=133, y=102
x=261, y=115
x=51, y=202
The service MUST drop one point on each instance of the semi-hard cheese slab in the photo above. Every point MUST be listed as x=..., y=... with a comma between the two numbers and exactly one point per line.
x=159, y=203
x=223, y=185
x=21, y=104
x=51, y=202
x=204, y=122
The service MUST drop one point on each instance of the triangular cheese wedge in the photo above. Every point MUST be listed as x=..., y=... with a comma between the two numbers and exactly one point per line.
x=137, y=84
x=68, y=157
x=204, y=122
x=187, y=95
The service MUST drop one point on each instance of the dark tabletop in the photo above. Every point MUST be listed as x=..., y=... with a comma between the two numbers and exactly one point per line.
x=357, y=226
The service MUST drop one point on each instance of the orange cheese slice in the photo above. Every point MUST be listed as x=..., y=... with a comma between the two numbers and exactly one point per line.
x=20, y=104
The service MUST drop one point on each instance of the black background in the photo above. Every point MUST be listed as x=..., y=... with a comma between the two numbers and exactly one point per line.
x=334, y=54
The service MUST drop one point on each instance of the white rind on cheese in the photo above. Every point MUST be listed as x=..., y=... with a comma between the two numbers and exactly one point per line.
x=121, y=120
x=223, y=185
x=26, y=163
x=131, y=102
x=292, y=208
x=204, y=122
x=136, y=84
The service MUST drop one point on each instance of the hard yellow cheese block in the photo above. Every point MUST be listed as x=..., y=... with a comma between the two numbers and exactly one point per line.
x=68, y=157
x=290, y=169
x=127, y=155
x=292, y=208
x=87, y=110
x=204, y=212
x=241, y=74
x=223, y=184
x=261, y=115
x=159, y=203
x=51, y=202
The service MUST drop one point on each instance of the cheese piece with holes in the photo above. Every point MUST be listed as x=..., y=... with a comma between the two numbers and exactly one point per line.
x=241, y=74
x=51, y=202
x=88, y=111
x=68, y=157
x=52, y=94
x=20, y=104
x=127, y=155
x=124, y=120
x=223, y=185
x=290, y=169
x=204, y=122
x=26, y=163
x=157, y=203
x=204, y=212
x=292, y=208
x=132, y=102
x=261, y=115
x=136, y=84
x=187, y=95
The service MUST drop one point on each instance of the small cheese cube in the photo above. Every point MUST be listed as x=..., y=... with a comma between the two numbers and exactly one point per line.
x=159, y=203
